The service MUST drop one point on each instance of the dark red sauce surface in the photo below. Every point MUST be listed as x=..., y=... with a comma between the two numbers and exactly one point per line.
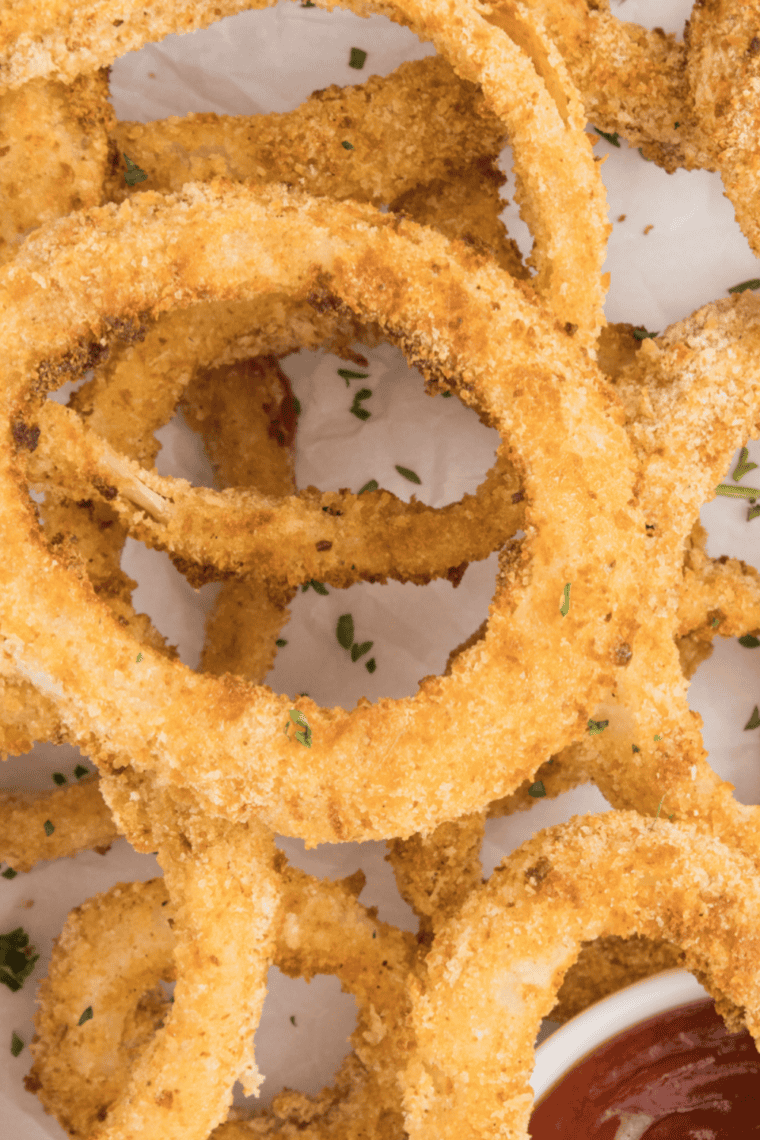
x=678, y=1076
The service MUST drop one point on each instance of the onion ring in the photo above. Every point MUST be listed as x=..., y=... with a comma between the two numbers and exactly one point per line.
x=564, y=204
x=321, y=928
x=70, y=124
x=213, y=707
x=494, y=970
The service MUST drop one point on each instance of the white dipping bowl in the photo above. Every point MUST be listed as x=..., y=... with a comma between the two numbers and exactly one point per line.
x=573, y=1041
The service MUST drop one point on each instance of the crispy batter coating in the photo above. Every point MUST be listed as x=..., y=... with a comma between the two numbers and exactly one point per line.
x=79, y=1072
x=494, y=969
x=77, y=812
x=53, y=152
x=390, y=270
x=724, y=76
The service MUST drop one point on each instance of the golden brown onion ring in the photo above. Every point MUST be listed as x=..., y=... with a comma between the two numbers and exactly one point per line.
x=494, y=970
x=66, y=127
x=449, y=311
x=320, y=928
x=557, y=184
x=724, y=71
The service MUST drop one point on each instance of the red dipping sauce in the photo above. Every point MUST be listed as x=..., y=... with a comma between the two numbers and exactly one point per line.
x=678, y=1076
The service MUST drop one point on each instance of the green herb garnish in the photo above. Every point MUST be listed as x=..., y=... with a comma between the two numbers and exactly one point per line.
x=357, y=58
x=447, y=395
x=300, y=721
x=293, y=1019
x=295, y=404
x=349, y=374
x=17, y=958
x=371, y=665
x=733, y=492
x=742, y=467
x=407, y=473
x=613, y=139
x=635, y=748
x=280, y=642
x=9, y=873
x=347, y=145
x=754, y=720
x=749, y=641
x=537, y=790
x=139, y=658
x=373, y=485
x=86, y=1016
x=80, y=771
x=753, y=283
x=358, y=651
x=752, y=513
x=564, y=609
x=595, y=727
x=59, y=778
x=356, y=409
x=345, y=630
x=17, y=1045
x=49, y=829
x=658, y=737
x=315, y=585
x=133, y=173
x=716, y=622
x=643, y=334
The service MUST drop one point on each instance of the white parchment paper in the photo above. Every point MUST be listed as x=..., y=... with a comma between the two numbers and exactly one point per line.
x=691, y=252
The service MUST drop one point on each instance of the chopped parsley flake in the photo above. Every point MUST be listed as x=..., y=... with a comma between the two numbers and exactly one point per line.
x=373, y=485
x=564, y=609
x=139, y=658
x=716, y=622
x=613, y=139
x=537, y=790
x=407, y=473
x=86, y=1016
x=595, y=727
x=280, y=642
x=358, y=651
x=734, y=492
x=315, y=585
x=742, y=467
x=293, y=1019
x=49, y=828
x=752, y=513
x=658, y=737
x=357, y=58
x=17, y=1045
x=133, y=173
x=349, y=374
x=59, y=778
x=80, y=771
x=17, y=958
x=347, y=145
x=753, y=283
x=9, y=873
x=356, y=409
x=643, y=334
x=635, y=748
x=299, y=719
x=749, y=641
x=345, y=630
x=447, y=395
x=371, y=665
x=754, y=720
x=295, y=404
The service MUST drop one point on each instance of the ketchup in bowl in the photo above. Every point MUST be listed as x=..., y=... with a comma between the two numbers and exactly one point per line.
x=677, y=1076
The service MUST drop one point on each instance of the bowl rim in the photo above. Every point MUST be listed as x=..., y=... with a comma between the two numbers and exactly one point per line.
x=607, y=1018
